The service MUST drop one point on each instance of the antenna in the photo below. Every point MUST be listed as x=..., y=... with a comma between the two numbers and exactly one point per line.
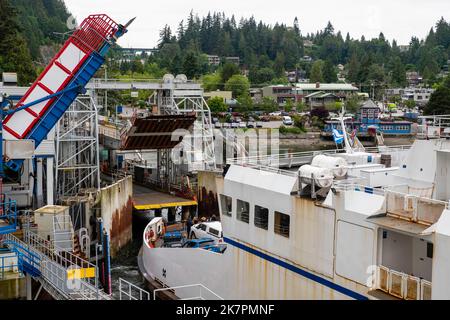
x=129, y=22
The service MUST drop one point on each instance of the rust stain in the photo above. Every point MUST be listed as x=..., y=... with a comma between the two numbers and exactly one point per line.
x=207, y=204
x=120, y=232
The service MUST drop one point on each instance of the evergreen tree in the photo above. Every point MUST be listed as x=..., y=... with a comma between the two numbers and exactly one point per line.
x=191, y=65
x=238, y=84
x=398, y=75
x=329, y=72
x=316, y=72
x=14, y=53
x=228, y=70
x=439, y=100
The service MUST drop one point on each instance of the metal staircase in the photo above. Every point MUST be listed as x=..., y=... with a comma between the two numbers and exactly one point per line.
x=64, y=275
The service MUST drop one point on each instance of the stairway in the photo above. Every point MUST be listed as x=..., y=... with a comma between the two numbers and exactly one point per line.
x=380, y=139
x=77, y=248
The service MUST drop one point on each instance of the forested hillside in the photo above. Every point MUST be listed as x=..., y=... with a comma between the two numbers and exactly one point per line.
x=267, y=51
x=40, y=20
x=25, y=26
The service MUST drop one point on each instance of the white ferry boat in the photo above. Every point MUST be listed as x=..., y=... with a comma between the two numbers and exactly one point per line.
x=372, y=224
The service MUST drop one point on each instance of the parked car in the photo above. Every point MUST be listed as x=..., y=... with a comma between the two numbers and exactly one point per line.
x=242, y=125
x=205, y=243
x=217, y=125
x=215, y=120
x=212, y=230
x=287, y=120
x=198, y=243
x=259, y=125
x=251, y=124
x=235, y=125
x=276, y=113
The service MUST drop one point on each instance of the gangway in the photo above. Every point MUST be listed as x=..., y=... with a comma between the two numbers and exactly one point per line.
x=64, y=275
x=59, y=84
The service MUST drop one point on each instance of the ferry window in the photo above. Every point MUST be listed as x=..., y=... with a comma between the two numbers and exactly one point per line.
x=430, y=250
x=242, y=210
x=189, y=244
x=226, y=204
x=281, y=226
x=206, y=243
x=261, y=217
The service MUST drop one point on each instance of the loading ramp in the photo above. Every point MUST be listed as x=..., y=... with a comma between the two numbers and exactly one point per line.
x=148, y=199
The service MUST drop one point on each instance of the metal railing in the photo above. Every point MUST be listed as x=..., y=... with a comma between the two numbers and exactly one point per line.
x=268, y=169
x=9, y=264
x=8, y=214
x=404, y=205
x=190, y=292
x=353, y=185
x=402, y=285
x=304, y=156
x=110, y=132
x=70, y=275
x=129, y=291
x=63, y=234
x=415, y=208
x=436, y=126
x=96, y=82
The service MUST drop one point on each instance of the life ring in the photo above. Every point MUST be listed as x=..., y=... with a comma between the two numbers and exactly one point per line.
x=149, y=234
x=149, y=237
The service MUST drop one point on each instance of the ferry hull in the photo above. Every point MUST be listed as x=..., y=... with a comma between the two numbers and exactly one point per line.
x=241, y=272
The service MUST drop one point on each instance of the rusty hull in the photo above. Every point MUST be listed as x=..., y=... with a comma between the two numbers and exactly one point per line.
x=116, y=210
x=207, y=194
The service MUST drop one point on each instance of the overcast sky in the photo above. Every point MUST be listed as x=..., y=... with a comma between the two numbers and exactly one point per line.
x=397, y=19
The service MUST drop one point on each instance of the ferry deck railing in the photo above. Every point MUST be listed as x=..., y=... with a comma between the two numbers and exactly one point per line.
x=436, y=126
x=303, y=157
x=129, y=291
x=190, y=292
x=408, y=206
x=402, y=285
x=415, y=208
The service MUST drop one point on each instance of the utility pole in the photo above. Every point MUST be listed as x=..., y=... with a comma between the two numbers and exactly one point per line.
x=106, y=91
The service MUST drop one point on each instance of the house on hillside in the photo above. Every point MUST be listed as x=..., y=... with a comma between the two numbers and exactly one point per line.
x=320, y=99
